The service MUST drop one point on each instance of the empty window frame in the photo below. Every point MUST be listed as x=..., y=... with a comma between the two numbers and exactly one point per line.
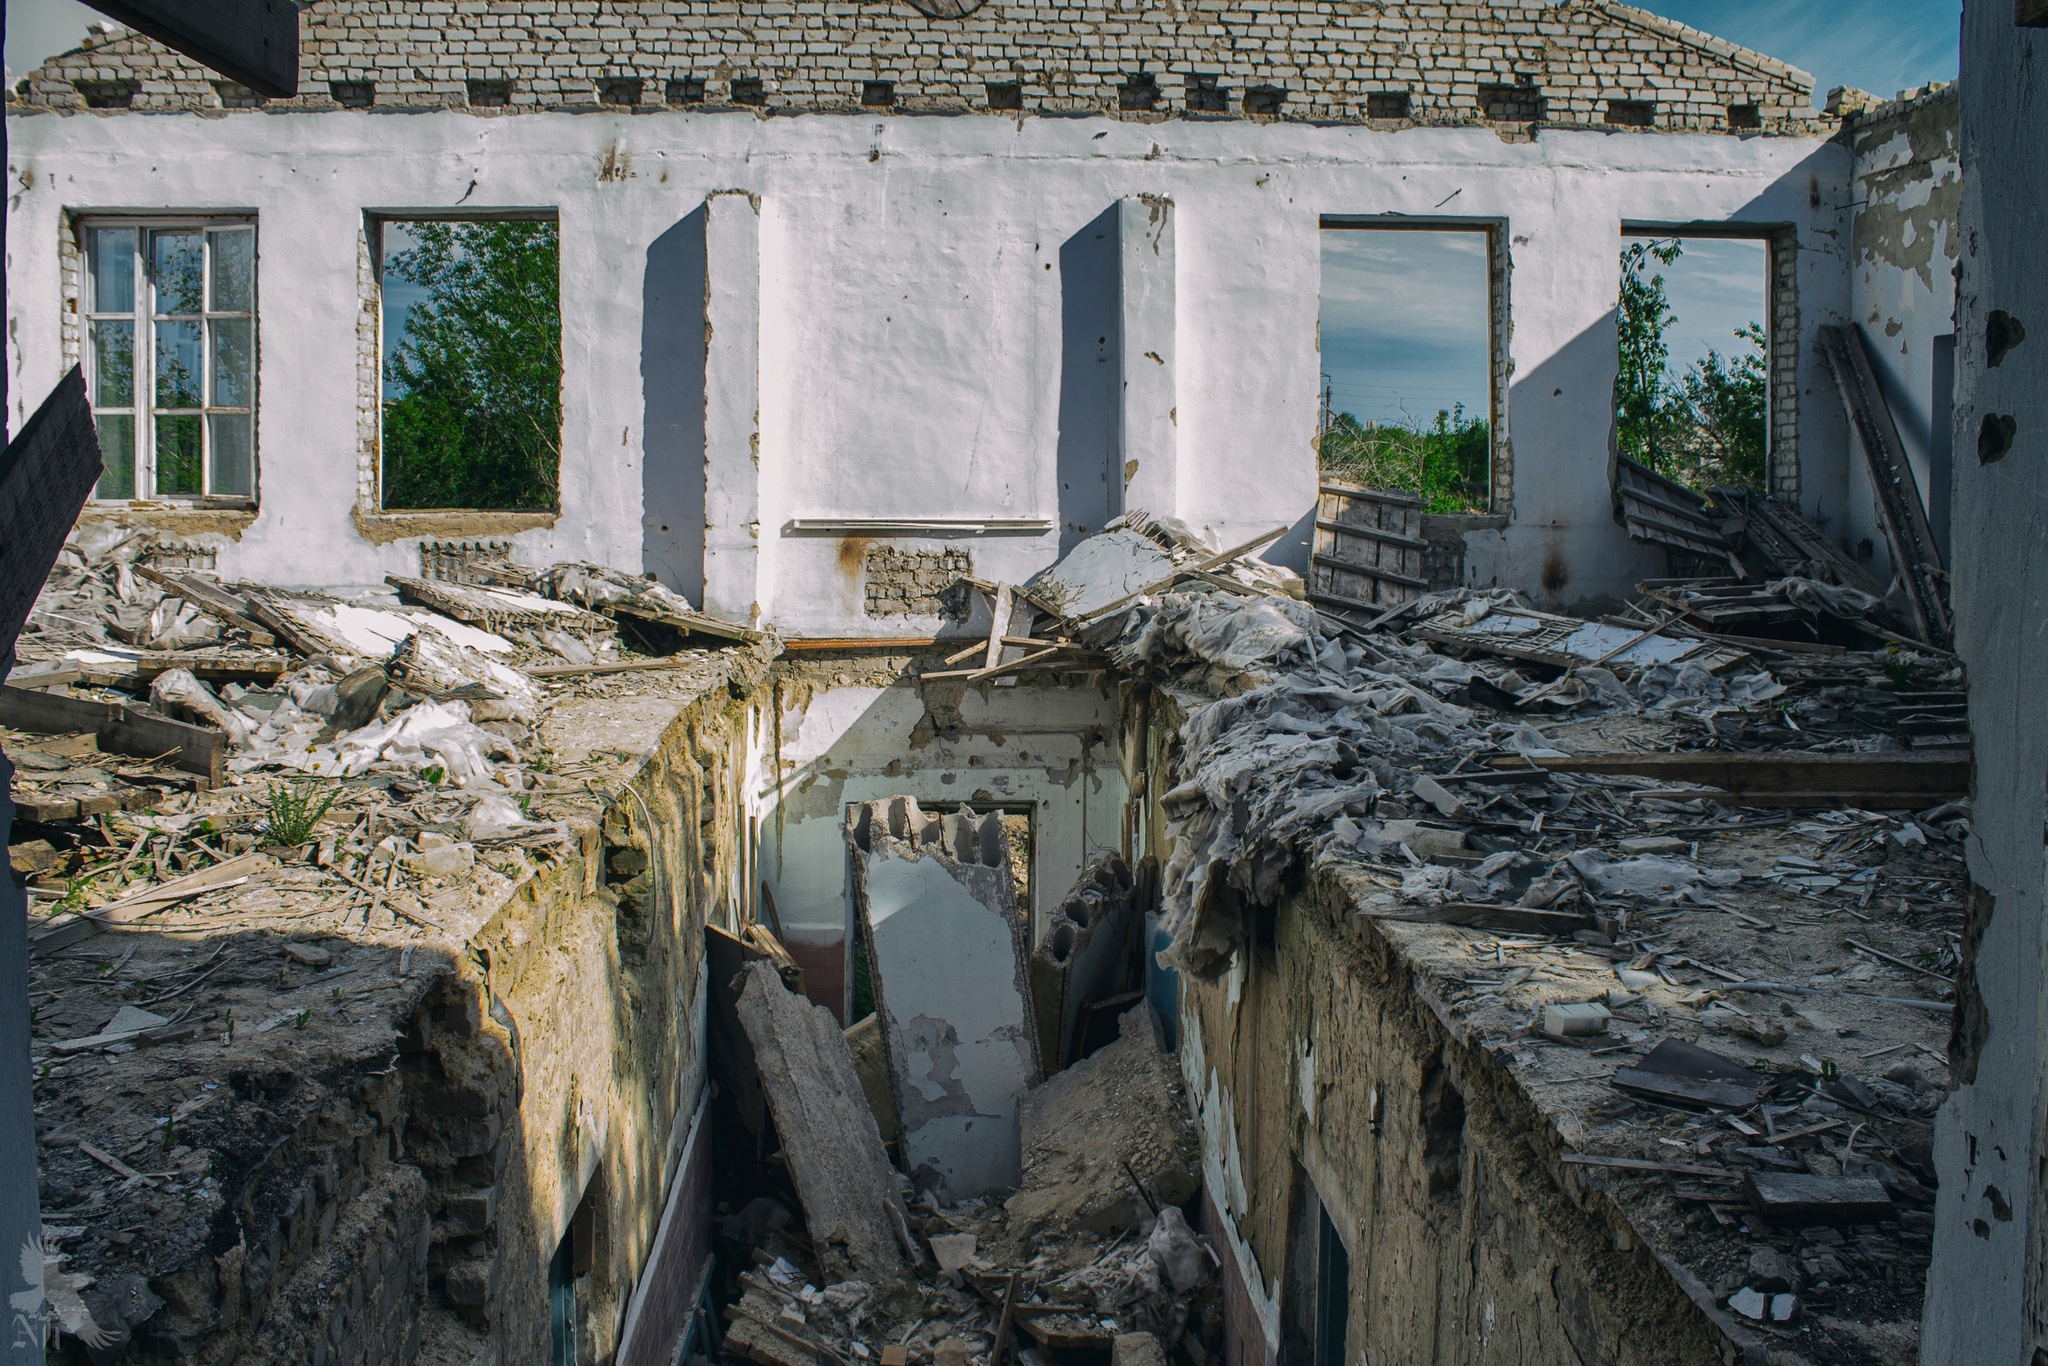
x=1410, y=331
x=1692, y=394
x=170, y=354
x=471, y=361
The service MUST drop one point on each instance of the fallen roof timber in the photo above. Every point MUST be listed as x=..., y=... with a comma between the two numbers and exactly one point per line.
x=1368, y=548
x=1924, y=778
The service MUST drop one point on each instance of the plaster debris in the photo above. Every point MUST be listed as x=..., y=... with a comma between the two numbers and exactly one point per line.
x=936, y=905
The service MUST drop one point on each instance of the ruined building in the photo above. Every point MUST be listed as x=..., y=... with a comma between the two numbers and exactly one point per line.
x=870, y=321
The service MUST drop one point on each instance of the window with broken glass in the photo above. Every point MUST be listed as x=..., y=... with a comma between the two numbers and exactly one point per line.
x=170, y=355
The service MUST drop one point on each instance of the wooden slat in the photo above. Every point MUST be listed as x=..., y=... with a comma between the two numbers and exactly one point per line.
x=1372, y=534
x=121, y=729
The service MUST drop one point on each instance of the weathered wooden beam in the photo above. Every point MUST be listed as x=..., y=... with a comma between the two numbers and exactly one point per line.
x=121, y=729
x=46, y=475
x=255, y=42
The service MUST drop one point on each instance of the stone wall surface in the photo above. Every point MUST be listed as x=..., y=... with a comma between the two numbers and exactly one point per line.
x=1582, y=63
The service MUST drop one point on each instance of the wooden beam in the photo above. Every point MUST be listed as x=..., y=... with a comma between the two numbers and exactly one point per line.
x=46, y=475
x=255, y=42
x=121, y=729
x=1777, y=774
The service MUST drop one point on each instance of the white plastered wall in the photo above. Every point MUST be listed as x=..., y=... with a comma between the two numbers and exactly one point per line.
x=910, y=347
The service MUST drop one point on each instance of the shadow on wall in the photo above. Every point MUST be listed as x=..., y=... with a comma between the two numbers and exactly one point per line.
x=1090, y=444
x=672, y=425
x=1571, y=554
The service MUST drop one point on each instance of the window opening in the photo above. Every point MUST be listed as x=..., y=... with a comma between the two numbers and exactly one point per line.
x=1005, y=94
x=1264, y=100
x=878, y=93
x=171, y=353
x=1745, y=116
x=686, y=90
x=749, y=90
x=1692, y=396
x=1519, y=103
x=1207, y=95
x=353, y=94
x=1388, y=104
x=1139, y=92
x=490, y=94
x=1631, y=113
x=1407, y=335
x=472, y=363
x=619, y=90
x=1333, y=1291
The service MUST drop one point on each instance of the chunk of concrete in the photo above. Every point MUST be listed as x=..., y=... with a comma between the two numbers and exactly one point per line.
x=1575, y=1019
x=1083, y=955
x=1123, y=1105
x=829, y=1139
x=1136, y=1349
x=938, y=909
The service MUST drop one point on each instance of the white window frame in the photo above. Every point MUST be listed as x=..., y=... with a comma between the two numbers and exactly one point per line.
x=144, y=317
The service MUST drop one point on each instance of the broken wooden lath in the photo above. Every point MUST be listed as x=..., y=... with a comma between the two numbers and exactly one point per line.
x=1368, y=549
x=1661, y=512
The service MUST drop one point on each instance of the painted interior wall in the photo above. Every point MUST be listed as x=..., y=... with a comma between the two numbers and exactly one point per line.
x=1045, y=749
x=905, y=280
x=1907, y=189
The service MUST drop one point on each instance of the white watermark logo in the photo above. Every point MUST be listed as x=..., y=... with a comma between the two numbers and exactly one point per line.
x=50, y=1306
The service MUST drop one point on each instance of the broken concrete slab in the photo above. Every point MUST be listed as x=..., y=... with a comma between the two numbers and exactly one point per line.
x=1089, y=1128
x=1083, y=955
x=829, y=1139
x=871, y=1064
x=1099, y=571
x=937, y=905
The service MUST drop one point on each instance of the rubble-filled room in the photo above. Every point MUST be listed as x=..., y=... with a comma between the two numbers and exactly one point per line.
x=674, y=696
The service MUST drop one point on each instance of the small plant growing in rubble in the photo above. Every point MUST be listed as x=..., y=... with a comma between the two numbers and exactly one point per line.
x=433, y=774
x=1898, y=665
x=75, y=890
x=294, y=811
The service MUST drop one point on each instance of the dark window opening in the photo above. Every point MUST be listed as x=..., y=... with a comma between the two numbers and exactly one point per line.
x=1333, y=1292
x=108, y=94
x=472, y=364
x=353, y=94
x=1745, y=116
x=1005, y=94
x=749, y=90
x=620, y=90
x=1264, y=100
x=235, y=95
x=878, y=94
x=1388, y=104
x=1206, y=94
x=1511, y=103
x=490, y=94
x=1631, y=113
x=686, y=90
x=2030, y=13
x=562, y=1302
x=1138, y=92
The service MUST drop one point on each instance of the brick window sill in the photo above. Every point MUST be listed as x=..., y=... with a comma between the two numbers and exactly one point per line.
x=382, y=528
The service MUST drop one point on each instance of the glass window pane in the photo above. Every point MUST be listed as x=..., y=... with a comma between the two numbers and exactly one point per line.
x=113, y=270
x=234, y=271
x=117, y=452
x=113, y=362
x=233, y=362
x=176, y=265
x=232, y=462
x=177, y=455
x=177, y=365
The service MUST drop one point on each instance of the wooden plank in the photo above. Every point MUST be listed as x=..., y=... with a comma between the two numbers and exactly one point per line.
x=1372, y=534
x=1687, y=1091
x=703, y=625
x=255, y=42
x=209, y=596
x=46, y=474
x=1393, y=497
x=1799, y=1199
x=1763, y=774
x=121, y=729
x=1915, y=557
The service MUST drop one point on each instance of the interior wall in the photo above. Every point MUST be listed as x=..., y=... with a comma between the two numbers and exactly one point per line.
x=1043, y=747
x=905, y=288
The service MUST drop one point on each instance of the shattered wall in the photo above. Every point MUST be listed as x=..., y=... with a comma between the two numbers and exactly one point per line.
x=1315, y=1059
x=1907, y=184
x=854, y=728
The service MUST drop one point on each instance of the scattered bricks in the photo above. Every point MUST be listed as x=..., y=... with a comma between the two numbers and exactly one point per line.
x=469, y=1284
x=472, y=1212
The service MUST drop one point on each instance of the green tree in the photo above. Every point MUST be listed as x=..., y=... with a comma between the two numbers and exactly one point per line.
x=479, y=421
x=1708, y=426
x=1448, y=462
